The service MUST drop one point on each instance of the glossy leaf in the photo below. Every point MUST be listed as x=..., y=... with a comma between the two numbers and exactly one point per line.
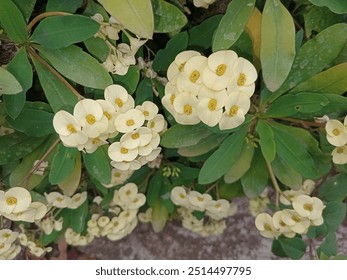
x=159, y=216
x=57, y=32
x=336, y=6
x=57, y=94
x=255, y=180
x=334, y=214
x=97, y=47
x=134, y=15
x=63, y=5
x=179, y=136
x=70, y=185
x=277, y=50
x=201, y=35
x=154, y=187
x=294, y=248
x=20, y=67
x=223, y=159
x=232, y=24
x=26, y=7
x=12, y=21
x=79, y=66
x=144, y=91
x=8, y=83
x=332, y=80
x=63, y=164
x=130, y=80
x=165, y=56
x=286, y=174
x=167, y=17
x=78, y=217
x=241, y=166
x=266, y=140
x=334, y=188
x=329, y=246
x=98, y=165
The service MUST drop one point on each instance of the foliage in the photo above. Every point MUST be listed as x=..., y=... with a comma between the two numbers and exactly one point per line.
x=190, y=151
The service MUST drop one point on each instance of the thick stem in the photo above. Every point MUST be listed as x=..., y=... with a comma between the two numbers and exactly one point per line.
x=42, y=16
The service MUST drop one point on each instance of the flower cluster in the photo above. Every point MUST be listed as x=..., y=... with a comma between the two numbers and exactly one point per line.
x=337, y=136
x=306, y=211
x=8, y=247
x=32, y=246
x=215, y=211
x=258, y=205
x=16, y=205
x=214, y=90
x=49, y=224
x=59, y=200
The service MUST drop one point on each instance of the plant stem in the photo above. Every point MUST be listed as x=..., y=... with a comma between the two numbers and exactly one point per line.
x=44, y=15
x=34, y=54
x=304, y=123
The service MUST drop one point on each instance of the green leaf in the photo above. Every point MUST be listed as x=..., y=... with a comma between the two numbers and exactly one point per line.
x=334, y=214
x=201, y=35
x=302, y=102
x=57, y=94
x=204, y=146
x=167, y=17
x=134, y=15
x=334, y=188
x=46, y=239
x=33, y=121
x=241, y=166
x=8, y=83
x=26, y=7
x=230, y=191
x=232, y=24
x=277, y=250
x=319, y=231
x=70, y=185
x=79, y=66
x=98, y=165
x=144, y=92
x=97, y=47
x=16, y=146
x=130, y=80
x=332, y=80
x=266, y=140
x=12, y=21
x=329, y=246
x=63, y=5
x=154, y=187
x=187, y=172
x=294, y=248
x=336, y=6
x=255, y=180
x=63, y=164
x=57, y=32
x=315, y=55
x=159, y=215
x=286, y=174
x=223, y=158
x=20, y=67
x=165, y=56
x=78, y=217
x=277, y=49
x=179, y=136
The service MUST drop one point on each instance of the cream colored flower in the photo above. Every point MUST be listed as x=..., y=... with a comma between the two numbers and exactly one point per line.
x=110, y=113
x=149, y=110
x=127, y=165
x=198, y=200
x=203, y=3
x=295, y=221
x=128, y=192
x=171, y=92
x=265, y=225
x=218, y=209
x=281, y=225
x=77, y=200
x=219, y=72
x=308, y=186
x=103, y=221
x=58, y=200
x=137, y=202
x=340, y=155
x=138, y=138
x=129, y=121
x=154, y=154
x=119, y=177
x=185, y=106
x=179, y=196
x=308, y=207
x=119, y=153
x=8, y=236
x=236, y=107
x=289, y=194
x=93, y=144
x=14, y=200
x=157, y=123
x=119, y=98
x=336, y=133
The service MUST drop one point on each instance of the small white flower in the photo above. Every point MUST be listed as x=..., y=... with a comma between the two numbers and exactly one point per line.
x=157, y=124
x=110, y=113
x=77, y=200
x=119, y=176
x=154, y=154
x=149, y=109
x=198, y=200
x=93, y=144
x=265, y=225
x=340, y=155
x=138, y=138
x=171, y=92
x=58, y=200
x=336, y=133
x=308, y=207
x=8, y=236
x=203, y=3
x=295, y=221
x=179, y=196
x=185, y=106
x=281, y=225
x=128, y=192
x=119, y=153
x=127, y=165
x=129, y=121
x=119, y=98
x=14, y=200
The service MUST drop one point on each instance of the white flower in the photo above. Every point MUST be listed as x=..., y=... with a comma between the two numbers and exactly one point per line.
x=218, y=74
x=77, y=200
x=336, y=133
x=154, y=154
x=203, y=3
x=119, y=98
x=244, y=77
x=149, y=109
x=308, y=186
x=289, y=194
x=157, y=124
x=236, y=107
x=119, y=153
x=128, y=192
x=137, y=202
x=265, y=225
x=218, y=209
x=171, y=92
x=129, y=121
x=199, y=201
x=138, y=138
x=14, y=200
x=127, y=165
x=58, y=200
x=8, y=236
x=295, y=221
x=185, y=106
x=119, y=177
x=340, y=155
x=281, y=225
x=179, y=196
x=308, y=207
x=93, y=144
x=69, y=129
x=110, y=113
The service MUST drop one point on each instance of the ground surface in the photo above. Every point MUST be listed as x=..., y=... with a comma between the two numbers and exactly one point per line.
x=240, y=240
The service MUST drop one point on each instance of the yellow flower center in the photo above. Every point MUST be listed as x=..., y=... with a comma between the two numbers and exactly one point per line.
x=96, y=140
x=233, y=111
x=194, y=76
x=6, y=235
x=124, y=150
x=181, y=67
x=241, y=80
x=308, y=207
x=70, y=127
x=339, y=150
x=11, y=200
x=218, y=205
x=117, y=175
x=135, y=136
x=267, y=227
x=200, y=198
x=172, y=98
x=221, y=69
x=107, y=115
x=136, y=200
x=77, y=199
x=59, y=199
x=130, y=122
x=336, y=132
x=119, y=102
x=212, y=104
x=90, y=119
x=152, y=125
x=188, y=110
x=296, y=218
x=2, y=245
x=182, y=196
x=146, y=113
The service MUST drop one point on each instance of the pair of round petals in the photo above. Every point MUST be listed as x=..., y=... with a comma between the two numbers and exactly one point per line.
x=14, y=200
x=119, y=98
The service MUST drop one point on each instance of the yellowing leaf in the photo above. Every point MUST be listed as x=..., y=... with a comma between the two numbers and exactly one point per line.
x=70, y=185
x=253, y=28
x=136, y=15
